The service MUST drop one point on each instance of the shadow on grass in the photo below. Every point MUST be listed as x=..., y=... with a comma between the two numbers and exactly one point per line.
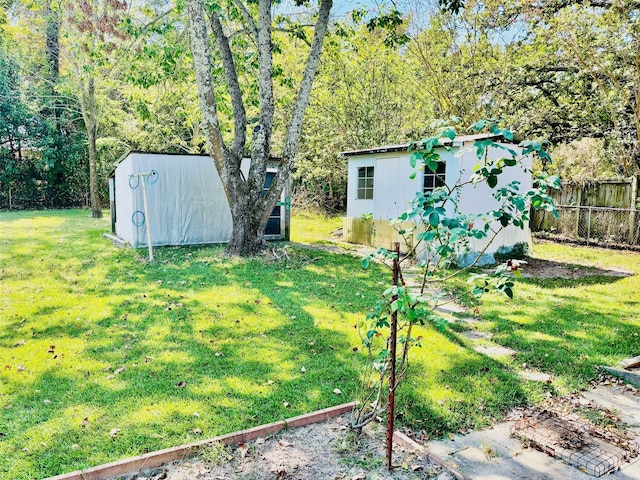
x=550, y=269
x=566, y=327
x=196, y=344
x=191, y=345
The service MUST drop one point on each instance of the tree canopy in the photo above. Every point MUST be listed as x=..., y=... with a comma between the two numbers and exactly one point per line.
x=82, y=83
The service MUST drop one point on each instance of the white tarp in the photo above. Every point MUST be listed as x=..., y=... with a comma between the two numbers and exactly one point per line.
x=186, y=202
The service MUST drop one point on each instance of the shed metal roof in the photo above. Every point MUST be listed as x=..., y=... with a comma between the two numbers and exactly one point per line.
x=403, y=147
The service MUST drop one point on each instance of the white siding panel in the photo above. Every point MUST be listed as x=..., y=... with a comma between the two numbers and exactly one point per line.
x=124, y=201
x=394, y=188
x=356, y=207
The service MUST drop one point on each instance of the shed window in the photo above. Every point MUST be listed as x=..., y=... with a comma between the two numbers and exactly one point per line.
x=365, y=183
x=433, y=180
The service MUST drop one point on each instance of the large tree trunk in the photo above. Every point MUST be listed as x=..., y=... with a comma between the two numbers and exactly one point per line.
x=89, y=115
x=52, y=42
x=249, y=208
x=96, y=210
x=247, y=237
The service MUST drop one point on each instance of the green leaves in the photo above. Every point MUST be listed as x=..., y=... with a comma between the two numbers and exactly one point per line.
x=538, y=148
x=479, y=126
x=510, y=162
x=507, y=134
x=492, y=179
x=449, y=133
x=443, y=233
x=390, y=24
x=434, y=219
x=433, y=214
x=500, y=280
x=453, y=6
x=414, y=158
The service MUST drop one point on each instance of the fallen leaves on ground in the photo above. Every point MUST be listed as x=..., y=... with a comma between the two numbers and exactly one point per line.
x=243, y=448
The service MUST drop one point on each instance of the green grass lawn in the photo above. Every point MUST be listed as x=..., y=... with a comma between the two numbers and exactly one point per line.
x=104, y=356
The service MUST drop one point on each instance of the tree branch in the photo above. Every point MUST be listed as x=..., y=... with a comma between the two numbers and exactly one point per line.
x=260, y=152
x=206, y=93
x=555, y=5
x=239, y=113
x=247, y=18
x=293, y=32
x=302, y=100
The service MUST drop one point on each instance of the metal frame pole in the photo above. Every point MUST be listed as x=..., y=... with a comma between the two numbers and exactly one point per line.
x=589, y=226
x=146, y=216
x=392, y=359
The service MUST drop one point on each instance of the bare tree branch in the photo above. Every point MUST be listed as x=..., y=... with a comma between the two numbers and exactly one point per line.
x=302, y=100
x=251, y=24
x=260, y=151
x=202, y=67
x=293, y=32
x=239, y=113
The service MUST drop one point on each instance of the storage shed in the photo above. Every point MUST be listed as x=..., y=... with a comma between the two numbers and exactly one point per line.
x=380, y=187
x=186, y=203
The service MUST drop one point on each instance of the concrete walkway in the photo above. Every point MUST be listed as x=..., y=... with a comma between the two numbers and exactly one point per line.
x=494, y=455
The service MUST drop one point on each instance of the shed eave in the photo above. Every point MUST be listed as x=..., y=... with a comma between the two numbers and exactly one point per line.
x=458, y=141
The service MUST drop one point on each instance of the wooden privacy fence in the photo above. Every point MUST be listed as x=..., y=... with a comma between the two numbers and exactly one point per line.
x=620, y=193
x=603, y=213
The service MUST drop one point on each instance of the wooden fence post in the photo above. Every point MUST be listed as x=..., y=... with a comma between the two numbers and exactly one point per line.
x=632, y=213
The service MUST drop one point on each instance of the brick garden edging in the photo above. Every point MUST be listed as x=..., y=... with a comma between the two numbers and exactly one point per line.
x=168, y=455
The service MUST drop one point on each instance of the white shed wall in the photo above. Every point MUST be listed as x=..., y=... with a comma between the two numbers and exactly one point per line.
x=394, y=189
x=479, y=199
x=355, y=207
x=187, y=204
x=124, y=203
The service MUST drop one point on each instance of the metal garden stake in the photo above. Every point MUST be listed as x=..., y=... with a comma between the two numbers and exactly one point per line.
x=392, y=355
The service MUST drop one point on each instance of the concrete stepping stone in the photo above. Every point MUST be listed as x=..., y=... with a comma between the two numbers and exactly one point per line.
x=470, y=321
x=534, y=375
x=476, y=335
x=451, y=307
x=495, y=351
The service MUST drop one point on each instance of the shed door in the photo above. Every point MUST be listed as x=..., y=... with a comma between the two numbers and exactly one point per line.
x=273, y=223
x=387, y=191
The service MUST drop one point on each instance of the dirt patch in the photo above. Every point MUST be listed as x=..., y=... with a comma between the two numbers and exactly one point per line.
x=327, y=450
x=534, y=267
x=540, y=268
